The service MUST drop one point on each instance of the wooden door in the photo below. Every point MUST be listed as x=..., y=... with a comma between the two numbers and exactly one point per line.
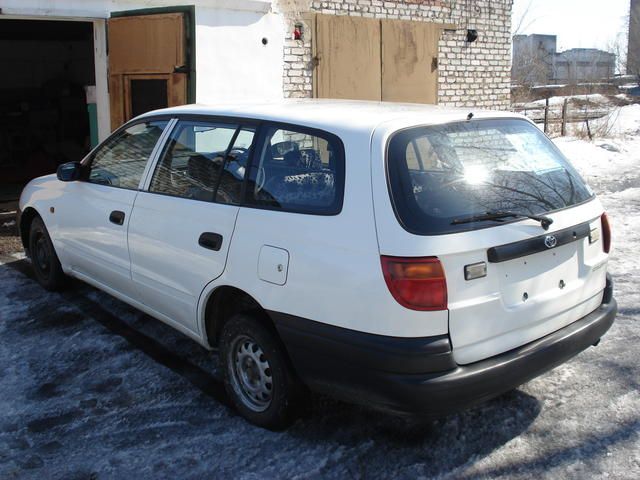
x=347, y=51
x=147, y=64
x=410, y=61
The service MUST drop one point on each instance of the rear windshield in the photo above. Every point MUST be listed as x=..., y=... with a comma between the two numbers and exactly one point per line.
x=439, y=174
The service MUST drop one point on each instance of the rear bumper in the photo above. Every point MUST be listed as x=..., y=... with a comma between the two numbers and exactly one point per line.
x=419, y=376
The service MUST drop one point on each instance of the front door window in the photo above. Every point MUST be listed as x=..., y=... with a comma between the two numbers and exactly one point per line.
x=121, y=160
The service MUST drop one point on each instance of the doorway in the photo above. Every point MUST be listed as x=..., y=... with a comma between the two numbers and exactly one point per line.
x=46, y=117
x=150, y=61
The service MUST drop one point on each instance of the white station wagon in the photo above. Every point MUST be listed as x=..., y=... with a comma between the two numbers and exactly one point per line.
x=411, y=258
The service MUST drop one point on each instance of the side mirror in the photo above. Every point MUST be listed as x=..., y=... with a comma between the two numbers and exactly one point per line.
x=69, y=172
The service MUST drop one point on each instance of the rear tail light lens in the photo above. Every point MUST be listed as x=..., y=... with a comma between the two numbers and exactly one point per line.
x=606, y=233
x=416, y=283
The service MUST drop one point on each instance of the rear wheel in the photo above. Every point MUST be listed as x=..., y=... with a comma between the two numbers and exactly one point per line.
x=257, y=374
x=44, y=260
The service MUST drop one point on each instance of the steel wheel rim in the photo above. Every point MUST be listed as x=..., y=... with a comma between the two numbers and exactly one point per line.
x=250, y=374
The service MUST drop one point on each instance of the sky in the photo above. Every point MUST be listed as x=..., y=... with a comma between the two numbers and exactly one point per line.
x=577, y=23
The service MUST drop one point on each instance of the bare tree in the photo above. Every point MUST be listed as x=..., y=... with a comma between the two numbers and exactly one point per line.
x=523, y=22
x=619, y=47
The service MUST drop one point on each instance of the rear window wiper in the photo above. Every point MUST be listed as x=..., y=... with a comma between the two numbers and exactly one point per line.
x=545, y=222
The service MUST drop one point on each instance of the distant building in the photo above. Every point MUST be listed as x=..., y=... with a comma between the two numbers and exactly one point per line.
x=633, y=56
x=536, y=61
x=533, y=59
x=583, y=65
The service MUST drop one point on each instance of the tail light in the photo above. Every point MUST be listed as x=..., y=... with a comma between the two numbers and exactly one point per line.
x=606, y=233
x=416, y=283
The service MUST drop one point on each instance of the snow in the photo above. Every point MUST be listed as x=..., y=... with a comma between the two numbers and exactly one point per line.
x=91, y=388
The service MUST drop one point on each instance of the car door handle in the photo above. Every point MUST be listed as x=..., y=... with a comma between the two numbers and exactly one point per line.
x=116, y=217
x=210, y=240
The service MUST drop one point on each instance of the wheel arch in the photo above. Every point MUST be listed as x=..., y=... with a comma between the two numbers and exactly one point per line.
x=26, y=218
x=224, y=302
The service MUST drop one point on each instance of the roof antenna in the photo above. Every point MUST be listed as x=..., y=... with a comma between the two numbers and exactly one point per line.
x=470, y=116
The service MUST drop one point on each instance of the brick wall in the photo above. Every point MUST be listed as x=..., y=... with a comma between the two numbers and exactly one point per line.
x=470, y=74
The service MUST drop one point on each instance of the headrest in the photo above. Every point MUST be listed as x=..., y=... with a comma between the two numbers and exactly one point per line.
x=292, y=158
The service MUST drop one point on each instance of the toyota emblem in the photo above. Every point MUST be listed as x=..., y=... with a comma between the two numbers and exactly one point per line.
x=550, y=241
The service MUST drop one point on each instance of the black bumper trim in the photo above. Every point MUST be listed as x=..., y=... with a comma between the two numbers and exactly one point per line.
x=472, y=384
x=419, y=375
x=376, y=352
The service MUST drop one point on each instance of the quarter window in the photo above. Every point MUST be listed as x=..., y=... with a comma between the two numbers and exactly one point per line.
x=298, y=170
x=121, y=161
x=198, y=162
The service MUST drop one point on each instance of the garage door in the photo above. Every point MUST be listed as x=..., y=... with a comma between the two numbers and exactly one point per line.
x=410, y=61
x=348, y=53
x=147, y=64
x=371, y=59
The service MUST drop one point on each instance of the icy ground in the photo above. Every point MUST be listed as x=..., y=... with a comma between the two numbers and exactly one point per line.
x=90, y=388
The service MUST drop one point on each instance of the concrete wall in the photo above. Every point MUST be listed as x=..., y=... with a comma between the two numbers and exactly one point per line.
x=470, y=74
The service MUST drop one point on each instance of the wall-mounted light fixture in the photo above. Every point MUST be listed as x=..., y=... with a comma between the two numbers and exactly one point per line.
x=472, y=35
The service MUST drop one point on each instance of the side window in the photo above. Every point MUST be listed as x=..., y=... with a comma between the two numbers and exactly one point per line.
x=298, y=171
x=194, y=165
x=121, y=161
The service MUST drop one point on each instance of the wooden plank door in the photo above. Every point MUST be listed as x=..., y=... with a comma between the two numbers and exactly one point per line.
x=347, y=50
x=410, y=61
x=147, y=64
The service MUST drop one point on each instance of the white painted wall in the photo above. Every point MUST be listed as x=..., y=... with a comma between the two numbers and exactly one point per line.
x=232, y=64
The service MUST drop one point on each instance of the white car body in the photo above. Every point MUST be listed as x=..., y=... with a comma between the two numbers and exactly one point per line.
x=323, y=268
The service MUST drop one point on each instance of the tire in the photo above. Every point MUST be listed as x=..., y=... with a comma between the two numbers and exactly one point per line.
x=257, y=375
x=45, y=263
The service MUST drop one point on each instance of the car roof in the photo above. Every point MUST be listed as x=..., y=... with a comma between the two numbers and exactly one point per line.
x=336, y=115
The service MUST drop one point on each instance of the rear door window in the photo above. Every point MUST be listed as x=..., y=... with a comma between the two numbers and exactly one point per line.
x=441, y=173
x=204, y=161
x=298, y=170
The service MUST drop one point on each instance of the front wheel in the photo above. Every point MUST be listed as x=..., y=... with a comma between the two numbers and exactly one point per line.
x=46, y=265
x=257, y=374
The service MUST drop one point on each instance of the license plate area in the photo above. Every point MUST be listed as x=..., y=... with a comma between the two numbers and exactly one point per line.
x=546, y=274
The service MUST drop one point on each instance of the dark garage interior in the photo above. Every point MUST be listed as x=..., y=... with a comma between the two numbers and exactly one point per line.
x=46, y=112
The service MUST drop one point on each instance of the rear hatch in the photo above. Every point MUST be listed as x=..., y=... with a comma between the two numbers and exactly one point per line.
x=517, y=231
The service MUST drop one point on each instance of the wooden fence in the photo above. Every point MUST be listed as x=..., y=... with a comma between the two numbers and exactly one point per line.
x=562, y=114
